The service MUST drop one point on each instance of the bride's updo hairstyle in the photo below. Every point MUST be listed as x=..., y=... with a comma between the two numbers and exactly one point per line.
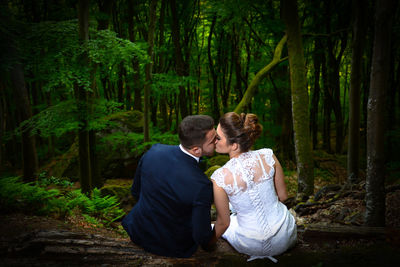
x=242, y=129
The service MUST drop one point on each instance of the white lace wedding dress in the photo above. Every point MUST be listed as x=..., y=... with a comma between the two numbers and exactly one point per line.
x=260, y=226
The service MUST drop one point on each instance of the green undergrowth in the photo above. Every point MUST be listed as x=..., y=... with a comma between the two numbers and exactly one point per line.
x=38, y=199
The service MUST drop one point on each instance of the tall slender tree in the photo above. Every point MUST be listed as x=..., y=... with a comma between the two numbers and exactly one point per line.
x=359, y=36
x=298, y=86
x=375, y=183
x=137, y=97
x=180, y=63
x=149, y=68
x=21, y=96
x=81, y=96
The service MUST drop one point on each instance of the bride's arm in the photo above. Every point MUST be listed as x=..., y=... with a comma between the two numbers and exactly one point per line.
x=222, y=205
x=279, y=181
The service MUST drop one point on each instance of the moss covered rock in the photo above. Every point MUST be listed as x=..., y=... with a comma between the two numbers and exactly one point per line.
x=218, y=160
x=119, y=191
x=128, y=121
x=211, y=170
x=65, y=165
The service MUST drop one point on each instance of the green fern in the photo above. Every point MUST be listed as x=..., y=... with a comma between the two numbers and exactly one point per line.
x=31, y=197
x=15, y=194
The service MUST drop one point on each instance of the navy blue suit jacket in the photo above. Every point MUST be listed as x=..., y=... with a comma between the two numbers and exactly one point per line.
x=172, y=215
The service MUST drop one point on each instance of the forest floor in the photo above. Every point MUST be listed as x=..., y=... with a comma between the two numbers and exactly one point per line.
x=330, y=233
x=323, y=240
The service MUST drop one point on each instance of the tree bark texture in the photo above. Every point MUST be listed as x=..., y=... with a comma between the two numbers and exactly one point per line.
x=375, y=196
x=359, y=38
x=299, y=99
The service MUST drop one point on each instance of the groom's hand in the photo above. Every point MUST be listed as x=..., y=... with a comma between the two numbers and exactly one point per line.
x=212, y=243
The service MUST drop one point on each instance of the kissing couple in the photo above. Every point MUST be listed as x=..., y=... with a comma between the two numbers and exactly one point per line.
x=174, y=196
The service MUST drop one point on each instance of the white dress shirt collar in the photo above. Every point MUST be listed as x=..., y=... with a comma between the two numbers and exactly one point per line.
x=186, y=152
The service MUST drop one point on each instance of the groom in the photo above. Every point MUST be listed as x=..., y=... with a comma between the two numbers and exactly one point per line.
x=172, y=215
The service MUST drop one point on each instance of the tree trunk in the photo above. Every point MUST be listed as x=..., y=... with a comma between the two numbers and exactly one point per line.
x=316, y=92
x=161, y=66
x=359, y=38
x=82, y=102
x=237, y=61
x=375, y=183
x=120, y=85
x=284, y=117
x=2, y=124
x=299, y=99
x=29, y=155
x=251, y=90
x=105, y=7
x=215, y=105
x=327, y=108
x=137, y=96
x=181, y=65
x=149, y=68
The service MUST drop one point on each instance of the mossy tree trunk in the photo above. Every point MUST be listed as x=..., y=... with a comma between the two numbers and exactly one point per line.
x=299, y=99
x=359, y=38
x=375, y=183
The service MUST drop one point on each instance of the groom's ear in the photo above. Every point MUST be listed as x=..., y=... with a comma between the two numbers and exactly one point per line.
x=197, y=151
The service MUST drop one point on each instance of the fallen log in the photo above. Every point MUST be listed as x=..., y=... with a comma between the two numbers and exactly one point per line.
x=55, y=247
x=316, y=232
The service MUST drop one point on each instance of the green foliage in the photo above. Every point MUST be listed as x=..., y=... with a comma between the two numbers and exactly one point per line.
x=135, y=140
x=16, y=195
x=44, y=181
x=31, y=197
x=106, y=49
x=64, y=117
x=167, y=84
x=126, y=121
x=54, y=54
x=324, y=174
x=218, y=160
x=211, y=170
x=104, y=208
x=119, y=191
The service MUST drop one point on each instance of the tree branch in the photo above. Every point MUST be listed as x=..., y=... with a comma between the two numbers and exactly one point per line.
x=251, y=90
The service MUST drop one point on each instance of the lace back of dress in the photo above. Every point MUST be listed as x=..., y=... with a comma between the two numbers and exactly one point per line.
x=251, y=170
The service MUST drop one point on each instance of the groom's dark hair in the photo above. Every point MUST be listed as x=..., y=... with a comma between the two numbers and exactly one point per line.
x=193, y=129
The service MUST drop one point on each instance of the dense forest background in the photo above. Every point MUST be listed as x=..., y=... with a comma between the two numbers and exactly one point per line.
x=86, y=87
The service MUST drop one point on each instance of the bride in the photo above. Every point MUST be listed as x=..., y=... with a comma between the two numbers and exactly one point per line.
x=252, y=183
